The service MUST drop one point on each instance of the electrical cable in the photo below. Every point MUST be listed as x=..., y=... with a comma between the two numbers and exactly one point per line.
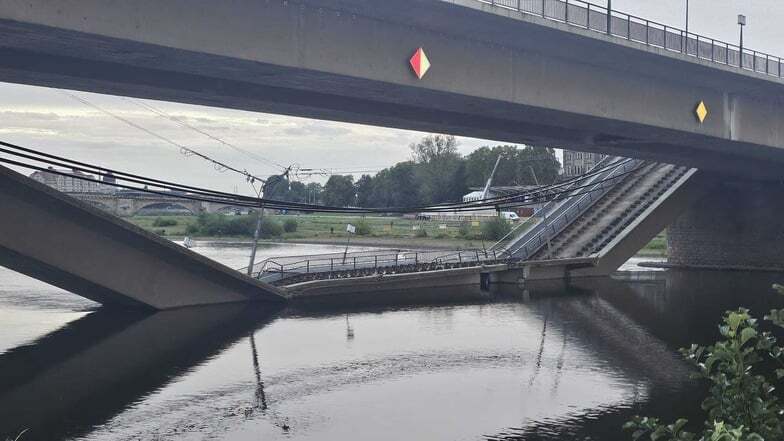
x=187, y=151
x=215, y=138
x=481, y=204
x=253, y=203
x=279, y=204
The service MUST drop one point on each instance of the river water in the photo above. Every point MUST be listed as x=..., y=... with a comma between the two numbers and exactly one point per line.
x=535, y=362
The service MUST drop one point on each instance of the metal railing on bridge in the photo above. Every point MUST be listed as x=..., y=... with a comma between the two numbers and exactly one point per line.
x=558, y=216
x=551, y=208
x=275, y=269
x=595, y=18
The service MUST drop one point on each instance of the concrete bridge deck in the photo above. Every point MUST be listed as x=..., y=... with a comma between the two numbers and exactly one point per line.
x=70, y=244
x=496, y=73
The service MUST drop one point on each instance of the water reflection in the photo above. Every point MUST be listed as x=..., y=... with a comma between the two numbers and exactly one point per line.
x=75, y=378
x=542, y=361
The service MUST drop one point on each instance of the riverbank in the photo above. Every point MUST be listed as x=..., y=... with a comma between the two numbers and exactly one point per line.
x=379, y=231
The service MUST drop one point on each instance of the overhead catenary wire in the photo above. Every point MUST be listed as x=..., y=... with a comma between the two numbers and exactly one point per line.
x=286, y=205
x=544, y=192
x=537, y=191
x=187, y=151
x=440, y=207
x=215, y=138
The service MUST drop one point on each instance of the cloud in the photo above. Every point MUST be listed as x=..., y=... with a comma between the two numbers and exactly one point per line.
x=53, y=122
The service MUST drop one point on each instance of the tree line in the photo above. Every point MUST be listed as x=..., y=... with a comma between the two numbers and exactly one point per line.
x=436, y=173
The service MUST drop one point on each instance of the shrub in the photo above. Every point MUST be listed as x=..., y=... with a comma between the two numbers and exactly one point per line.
x=421, y=232
x=217, y=225
x=743, y=403
x=290, y=225
x=465, y=230
x=269, y=228
x=495, y=229
x=159, y=231
x=363, y=228
x=161, y=222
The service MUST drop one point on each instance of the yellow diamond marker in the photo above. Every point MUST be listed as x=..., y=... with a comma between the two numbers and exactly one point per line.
x=702, y=111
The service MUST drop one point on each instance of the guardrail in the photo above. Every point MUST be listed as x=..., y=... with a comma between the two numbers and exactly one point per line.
x=275, y=269
x=620, y=24
x=570, y=212
x=554, y=207
x=550, y=207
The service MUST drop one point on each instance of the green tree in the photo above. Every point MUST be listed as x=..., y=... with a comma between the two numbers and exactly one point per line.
x=433, y=148
x=396, y=186
x=314, y=190
x=364, y=190
x=440, y=172
x=339, y=191
x=277, y=188
x=298, y=192
x=519, y=166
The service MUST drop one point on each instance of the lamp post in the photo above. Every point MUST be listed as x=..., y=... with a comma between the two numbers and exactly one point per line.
x=741, y=23
x=686, y=41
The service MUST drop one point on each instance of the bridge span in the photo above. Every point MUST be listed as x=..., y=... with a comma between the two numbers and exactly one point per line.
x=55, y=238
x=489, y=69
x=559, y=79
x=603, y=221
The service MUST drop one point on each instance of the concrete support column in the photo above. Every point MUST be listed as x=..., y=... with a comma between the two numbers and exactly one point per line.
x=738, y=225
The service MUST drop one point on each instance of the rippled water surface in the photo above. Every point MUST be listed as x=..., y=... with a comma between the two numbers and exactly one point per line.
x=543, y=361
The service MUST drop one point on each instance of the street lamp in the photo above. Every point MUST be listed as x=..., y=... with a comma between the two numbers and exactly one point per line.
x=686, y=43
x=741, y=23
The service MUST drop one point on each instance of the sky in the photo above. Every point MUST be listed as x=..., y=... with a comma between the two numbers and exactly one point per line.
x=52, y=121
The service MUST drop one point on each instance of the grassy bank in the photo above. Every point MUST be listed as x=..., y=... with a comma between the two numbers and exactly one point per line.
x=657, y=247
x=372, y=230
x=381, y=231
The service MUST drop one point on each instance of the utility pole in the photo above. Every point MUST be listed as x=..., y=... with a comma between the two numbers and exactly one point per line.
x=267, y=185
x=609, y=17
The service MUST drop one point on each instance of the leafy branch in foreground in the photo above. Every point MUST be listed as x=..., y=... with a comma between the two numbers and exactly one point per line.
x=742, y=404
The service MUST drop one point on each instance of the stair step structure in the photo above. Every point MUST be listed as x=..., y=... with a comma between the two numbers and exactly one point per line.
x=621, y=202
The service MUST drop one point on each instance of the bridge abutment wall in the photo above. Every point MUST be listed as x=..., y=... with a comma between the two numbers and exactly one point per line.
x=737, y=225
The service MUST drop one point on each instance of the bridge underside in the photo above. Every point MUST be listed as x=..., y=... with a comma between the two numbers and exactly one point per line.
x=494, y=75
x=77, y=247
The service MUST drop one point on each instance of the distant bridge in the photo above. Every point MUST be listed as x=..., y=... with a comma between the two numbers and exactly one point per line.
x=127, y=204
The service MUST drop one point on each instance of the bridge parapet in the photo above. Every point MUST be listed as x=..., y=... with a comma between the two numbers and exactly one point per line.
x=599, y=18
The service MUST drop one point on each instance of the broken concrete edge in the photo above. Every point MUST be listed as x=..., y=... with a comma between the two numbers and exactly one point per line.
x=131, y=232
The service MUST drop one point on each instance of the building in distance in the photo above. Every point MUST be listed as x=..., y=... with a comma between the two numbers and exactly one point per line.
x=578, y=163
x=74, y=181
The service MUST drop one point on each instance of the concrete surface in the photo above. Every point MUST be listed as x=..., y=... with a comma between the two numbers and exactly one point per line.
x=70, y=244
x=495, y=73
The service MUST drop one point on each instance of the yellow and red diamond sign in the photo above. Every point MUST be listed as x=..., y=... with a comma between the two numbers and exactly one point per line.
x=420, y=63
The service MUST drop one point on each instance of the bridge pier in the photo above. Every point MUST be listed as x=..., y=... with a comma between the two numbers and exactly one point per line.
x=737, y=225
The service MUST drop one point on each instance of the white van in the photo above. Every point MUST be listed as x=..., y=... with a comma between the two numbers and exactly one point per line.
x=510, y=216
